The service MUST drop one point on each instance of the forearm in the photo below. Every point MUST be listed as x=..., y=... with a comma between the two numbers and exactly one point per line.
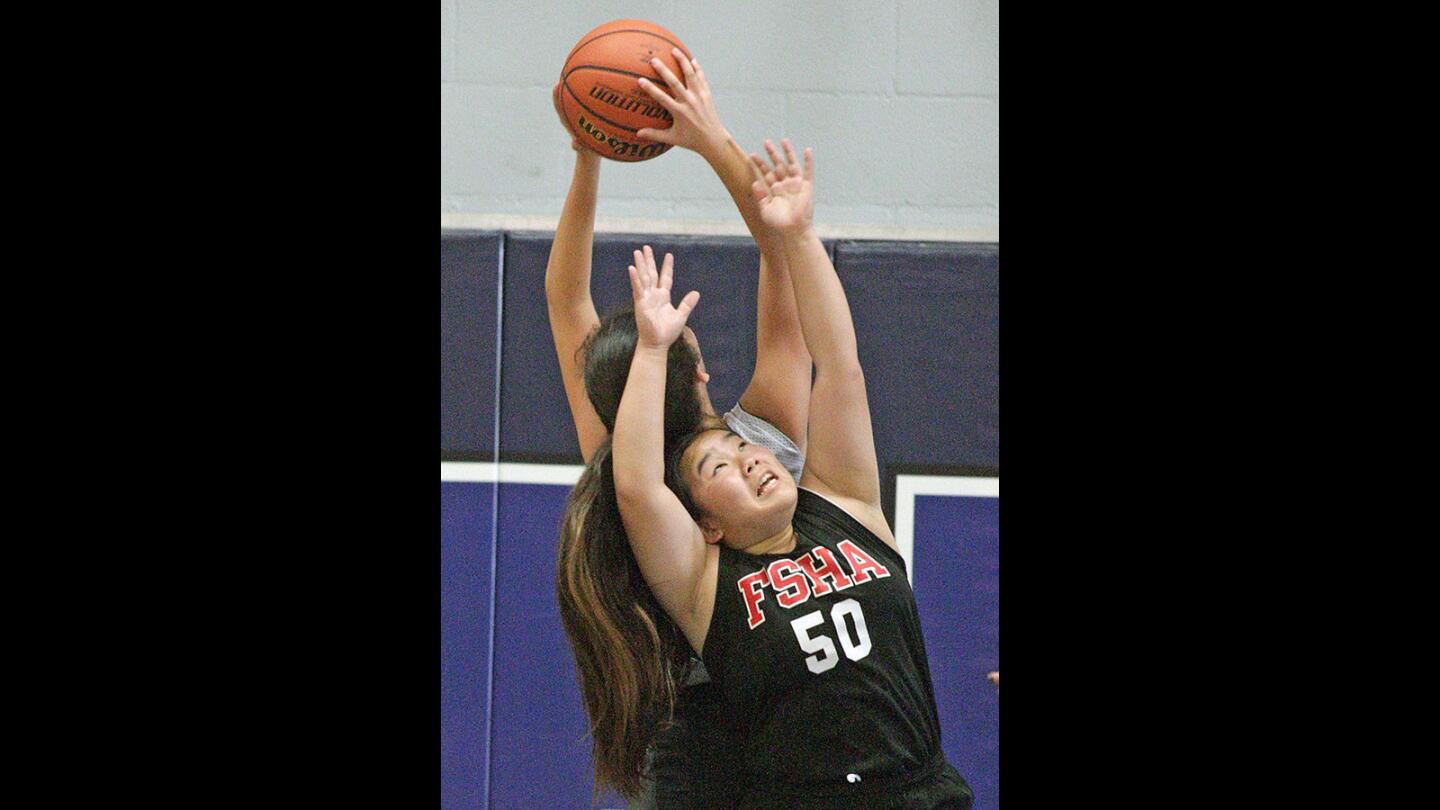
x=639, y=438
x=780, y=386
x=567, y=273
x=825, y=319
x=737, y=172
x=777, y=317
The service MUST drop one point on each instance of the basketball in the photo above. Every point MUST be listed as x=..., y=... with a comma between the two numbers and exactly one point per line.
x=600, y=99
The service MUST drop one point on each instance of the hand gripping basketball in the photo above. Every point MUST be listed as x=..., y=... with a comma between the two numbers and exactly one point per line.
x=696, y=124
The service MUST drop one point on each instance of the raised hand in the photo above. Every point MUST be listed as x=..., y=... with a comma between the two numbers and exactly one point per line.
x=696, y=124
x=785, y=192
x=658, y=323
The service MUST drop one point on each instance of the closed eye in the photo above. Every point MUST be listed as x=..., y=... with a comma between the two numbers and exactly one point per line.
x=716, y=469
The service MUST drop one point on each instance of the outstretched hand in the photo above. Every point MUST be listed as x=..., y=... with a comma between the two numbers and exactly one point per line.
x=785, y=192
x=696, y=124
x=658, y=323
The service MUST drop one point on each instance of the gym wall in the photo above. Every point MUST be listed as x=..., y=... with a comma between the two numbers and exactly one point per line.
x=899, y=98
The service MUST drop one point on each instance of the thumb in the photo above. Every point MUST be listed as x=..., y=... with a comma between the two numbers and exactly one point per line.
x=759, y=190
x=657, y=135
x=688, y=303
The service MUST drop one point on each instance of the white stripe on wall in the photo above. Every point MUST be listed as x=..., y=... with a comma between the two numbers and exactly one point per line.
x=488, y=472
x=909, y=486
x=460, y=221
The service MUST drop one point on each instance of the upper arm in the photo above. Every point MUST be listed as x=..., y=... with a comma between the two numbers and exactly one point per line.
x=779, y=390
x=840, y=461
x=674, y=559
x=569, y=326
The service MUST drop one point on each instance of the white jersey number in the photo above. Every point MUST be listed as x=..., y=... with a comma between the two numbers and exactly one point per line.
x=826, y=657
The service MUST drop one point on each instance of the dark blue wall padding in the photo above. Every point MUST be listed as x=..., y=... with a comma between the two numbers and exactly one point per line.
x=533, y=411
x=466, y=540
x=927, y=318
x=469, y=309
x=957, y=591
x=541, y=751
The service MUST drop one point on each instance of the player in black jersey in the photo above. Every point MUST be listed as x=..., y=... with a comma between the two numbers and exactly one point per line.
x=689, y=760
x=796, y=597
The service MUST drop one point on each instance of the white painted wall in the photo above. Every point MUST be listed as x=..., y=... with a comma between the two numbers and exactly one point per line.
x=899, y=98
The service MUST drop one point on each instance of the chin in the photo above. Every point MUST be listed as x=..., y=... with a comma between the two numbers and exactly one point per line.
x=776, y=513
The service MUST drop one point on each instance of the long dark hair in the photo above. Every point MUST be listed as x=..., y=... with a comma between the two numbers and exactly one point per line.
x=629, y=656
x=606, y=355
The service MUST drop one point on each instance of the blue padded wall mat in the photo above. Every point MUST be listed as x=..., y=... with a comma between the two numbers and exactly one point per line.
x=469, y=311
x=535, y=418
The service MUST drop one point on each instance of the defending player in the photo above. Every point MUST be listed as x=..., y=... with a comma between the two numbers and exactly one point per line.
x=691, y=762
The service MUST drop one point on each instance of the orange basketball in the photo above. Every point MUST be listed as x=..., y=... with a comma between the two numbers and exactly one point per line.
x=601, y=100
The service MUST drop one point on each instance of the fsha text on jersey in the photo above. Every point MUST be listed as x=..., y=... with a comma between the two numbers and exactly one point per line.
x=815, y=574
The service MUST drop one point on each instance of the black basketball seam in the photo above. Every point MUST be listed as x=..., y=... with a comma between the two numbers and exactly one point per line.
x=664, y=147
x=583, y=106
x=624, y=31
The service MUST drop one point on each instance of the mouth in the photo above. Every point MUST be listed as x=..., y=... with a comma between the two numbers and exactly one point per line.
x=767, y=483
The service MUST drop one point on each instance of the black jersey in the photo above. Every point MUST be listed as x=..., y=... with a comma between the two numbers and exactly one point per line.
x=819, y=658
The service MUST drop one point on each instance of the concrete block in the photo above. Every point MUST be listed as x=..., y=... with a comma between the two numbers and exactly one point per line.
x=948, y=47
x=916, y=151
x=759, y=45
x=447, y=40
x=497, y=141
x=525, y=44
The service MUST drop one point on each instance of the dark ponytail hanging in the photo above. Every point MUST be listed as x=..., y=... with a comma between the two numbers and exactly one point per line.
x=629, y=656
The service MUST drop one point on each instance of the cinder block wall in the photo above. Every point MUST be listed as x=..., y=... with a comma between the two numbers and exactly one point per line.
x=899, y=98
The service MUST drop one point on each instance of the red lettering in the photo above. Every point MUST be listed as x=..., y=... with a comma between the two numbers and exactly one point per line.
x=861, y=563
x=750, y=590
x=828, y=568
x=790, y=589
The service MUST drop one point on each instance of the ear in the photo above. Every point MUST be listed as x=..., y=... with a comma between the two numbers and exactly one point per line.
x=712, y=533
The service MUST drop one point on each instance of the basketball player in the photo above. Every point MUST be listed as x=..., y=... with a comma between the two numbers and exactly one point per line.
x=795, y=597
x=690, y=762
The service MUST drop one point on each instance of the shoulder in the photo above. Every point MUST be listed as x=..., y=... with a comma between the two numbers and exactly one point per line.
x=847, y=516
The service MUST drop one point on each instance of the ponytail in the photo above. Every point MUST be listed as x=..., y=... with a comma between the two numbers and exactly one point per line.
x=630, y=657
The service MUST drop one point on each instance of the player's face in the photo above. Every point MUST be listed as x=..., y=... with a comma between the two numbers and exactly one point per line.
x=744, y=491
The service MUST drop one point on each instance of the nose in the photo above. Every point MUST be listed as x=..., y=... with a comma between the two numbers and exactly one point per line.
x=749, y=465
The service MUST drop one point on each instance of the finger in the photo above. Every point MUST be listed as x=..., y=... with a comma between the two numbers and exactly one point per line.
x=657, y=135
x=774, y=155
x=685, y=66
x=642, y=270
x=669, y=77
x=759, y=191
x=688, y=303
x=761, y=169
x=699, y=83
x=650, y=262
x=665, y=100
x=790, y=154
x=781, y=171
x=667, y=272
x=636, y=287
x=809, y=164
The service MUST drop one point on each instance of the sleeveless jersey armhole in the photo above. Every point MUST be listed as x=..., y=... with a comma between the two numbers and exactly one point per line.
x=871, y=539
